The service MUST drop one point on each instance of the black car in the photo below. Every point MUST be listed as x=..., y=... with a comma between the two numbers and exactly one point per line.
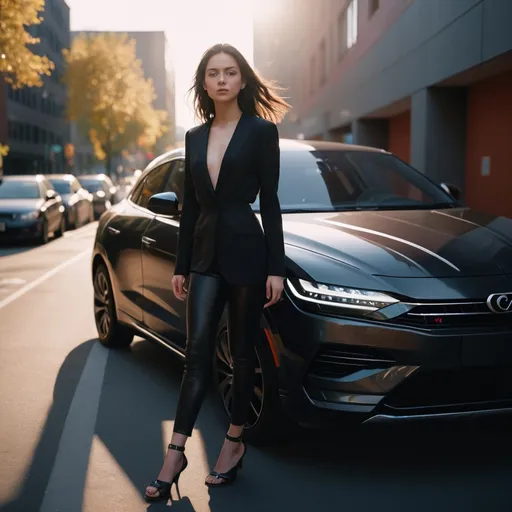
x=77, y=201
x=397, y=303
x=30, y=209
x=102, y=189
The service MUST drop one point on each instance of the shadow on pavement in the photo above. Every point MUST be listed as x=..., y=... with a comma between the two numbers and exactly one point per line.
x=438, y=467
x=32, y=489
x=10, y=250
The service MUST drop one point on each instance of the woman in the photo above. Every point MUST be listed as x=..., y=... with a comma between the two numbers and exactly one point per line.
x=222, y=248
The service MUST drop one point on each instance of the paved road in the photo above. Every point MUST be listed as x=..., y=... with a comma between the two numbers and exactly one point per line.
x=84, y=429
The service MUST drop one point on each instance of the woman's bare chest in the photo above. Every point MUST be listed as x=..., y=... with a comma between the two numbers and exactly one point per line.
x=218, y=143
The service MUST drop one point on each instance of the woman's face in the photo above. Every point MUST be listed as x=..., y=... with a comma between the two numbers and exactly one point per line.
x=223, y=79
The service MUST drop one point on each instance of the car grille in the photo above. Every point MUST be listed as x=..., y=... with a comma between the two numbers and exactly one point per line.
x=455, y=316
x=337, y=362
x=436, y=387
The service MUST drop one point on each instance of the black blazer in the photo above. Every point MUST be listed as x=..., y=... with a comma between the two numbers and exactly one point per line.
x=220, y=222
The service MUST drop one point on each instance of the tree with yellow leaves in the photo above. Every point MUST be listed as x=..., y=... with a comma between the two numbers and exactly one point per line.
x=18, y=65
x=108, y=96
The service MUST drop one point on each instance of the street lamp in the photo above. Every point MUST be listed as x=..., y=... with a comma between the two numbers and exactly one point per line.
x=3, y=56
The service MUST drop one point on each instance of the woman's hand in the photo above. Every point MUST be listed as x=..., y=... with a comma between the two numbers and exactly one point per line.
x=178, y=287
x=275, y=285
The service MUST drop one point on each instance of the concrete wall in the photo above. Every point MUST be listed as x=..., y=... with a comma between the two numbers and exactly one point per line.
x=406, y=46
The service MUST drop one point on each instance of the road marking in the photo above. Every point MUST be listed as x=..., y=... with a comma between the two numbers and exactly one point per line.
x=42, y=278
x=68, y=476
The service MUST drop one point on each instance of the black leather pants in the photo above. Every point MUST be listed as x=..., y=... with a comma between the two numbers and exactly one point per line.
x=206, y=298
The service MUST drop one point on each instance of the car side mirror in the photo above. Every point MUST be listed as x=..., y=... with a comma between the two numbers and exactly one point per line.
x=164, y=203
x=452, y=190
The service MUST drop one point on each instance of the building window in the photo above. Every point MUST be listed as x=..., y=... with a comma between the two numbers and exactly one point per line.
x=373, y=5
x=342, y=33
x=352, y=23
x=347, y=28
x=312, y=84
x=323, y=62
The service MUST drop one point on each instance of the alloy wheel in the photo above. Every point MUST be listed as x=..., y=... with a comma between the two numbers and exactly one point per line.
x=102, y=304
x=224, y=371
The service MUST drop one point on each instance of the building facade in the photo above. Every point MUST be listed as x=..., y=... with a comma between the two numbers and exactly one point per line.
x=153, y=51
x=37, y=129
x=430, y=80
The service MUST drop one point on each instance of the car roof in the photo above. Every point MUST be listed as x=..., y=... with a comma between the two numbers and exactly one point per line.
x=284, y=145
x=100, y=176
x=66, y=176
x=23, y=177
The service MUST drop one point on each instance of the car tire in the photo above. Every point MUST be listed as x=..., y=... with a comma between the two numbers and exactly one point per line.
x=62, y=228
x=44, y=237
x=111, y=333
x=266, y=422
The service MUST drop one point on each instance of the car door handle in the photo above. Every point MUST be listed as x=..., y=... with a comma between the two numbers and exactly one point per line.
x=148, y=241
x=114, y=231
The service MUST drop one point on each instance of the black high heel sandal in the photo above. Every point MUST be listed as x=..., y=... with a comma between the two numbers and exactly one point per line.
x=163, y=489
x=229, y=476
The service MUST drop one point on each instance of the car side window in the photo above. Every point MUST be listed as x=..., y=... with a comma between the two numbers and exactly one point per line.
x=153, y=184
x=176, y=179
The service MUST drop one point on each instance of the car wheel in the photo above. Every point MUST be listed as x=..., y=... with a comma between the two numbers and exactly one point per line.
x=265, y=420
x=62, y=228
x=44, y=237
x=110, y=332
x=71, y=214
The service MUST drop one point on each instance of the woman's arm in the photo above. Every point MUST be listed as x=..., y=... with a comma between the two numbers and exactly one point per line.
x=270, y=208
x=189, y=214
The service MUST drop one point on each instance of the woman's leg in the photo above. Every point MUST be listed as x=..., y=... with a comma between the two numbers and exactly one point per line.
x=205, y=304
x=245, y=307
x=206, y=299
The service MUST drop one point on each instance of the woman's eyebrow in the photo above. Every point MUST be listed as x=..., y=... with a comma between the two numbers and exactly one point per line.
x=216, y=69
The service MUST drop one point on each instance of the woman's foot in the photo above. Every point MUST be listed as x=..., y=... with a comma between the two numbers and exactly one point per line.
x=229, y=457
x=174, y=463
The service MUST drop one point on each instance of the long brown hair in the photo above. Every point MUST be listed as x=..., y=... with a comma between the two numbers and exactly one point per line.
x=259, y=96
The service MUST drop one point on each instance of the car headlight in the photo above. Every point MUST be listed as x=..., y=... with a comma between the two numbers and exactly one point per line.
x=29, y=215
x=341, y=297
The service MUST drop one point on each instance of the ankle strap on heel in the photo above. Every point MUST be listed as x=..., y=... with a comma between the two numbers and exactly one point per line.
x=176, y=447
x=234, y=439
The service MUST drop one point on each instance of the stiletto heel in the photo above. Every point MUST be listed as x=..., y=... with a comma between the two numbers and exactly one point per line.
x=163, y=489
x=229, y=476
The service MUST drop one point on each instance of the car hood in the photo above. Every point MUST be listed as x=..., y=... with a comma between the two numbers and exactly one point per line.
x=453, y=242
x=20, y=205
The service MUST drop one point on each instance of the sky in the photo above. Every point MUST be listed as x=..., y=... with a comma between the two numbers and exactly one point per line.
x=191, y=26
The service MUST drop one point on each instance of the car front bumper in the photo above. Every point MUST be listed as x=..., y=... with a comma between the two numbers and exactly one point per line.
x=334, y=368
x=21, y=230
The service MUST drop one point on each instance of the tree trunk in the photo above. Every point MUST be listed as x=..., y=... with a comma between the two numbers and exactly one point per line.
x=108, y=152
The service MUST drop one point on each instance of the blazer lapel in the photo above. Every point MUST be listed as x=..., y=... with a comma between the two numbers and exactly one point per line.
x=202, y=148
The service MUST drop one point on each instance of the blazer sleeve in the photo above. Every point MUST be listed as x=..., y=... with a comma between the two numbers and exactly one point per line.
x=270, y=209
x=189, y=214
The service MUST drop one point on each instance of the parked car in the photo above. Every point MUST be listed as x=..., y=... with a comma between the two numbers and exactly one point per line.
x=102, y=189
x=30, y=208
x=397, y=301
x=78, y=202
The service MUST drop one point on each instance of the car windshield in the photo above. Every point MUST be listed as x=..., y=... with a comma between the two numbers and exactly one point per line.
x=18, y=189
x=92, y=185
x=353, y=180
x=61, y=186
